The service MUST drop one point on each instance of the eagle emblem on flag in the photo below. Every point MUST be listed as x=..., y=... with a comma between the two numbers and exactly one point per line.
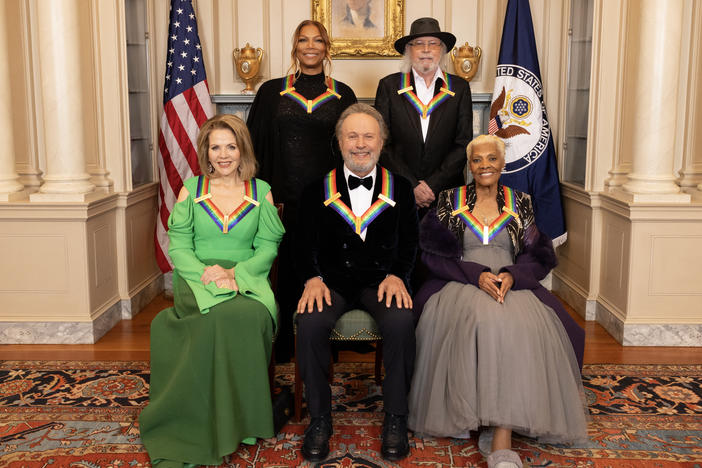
x=518, y=116
x=504, y=111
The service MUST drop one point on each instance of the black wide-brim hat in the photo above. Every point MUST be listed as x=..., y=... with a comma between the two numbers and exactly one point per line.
x=425, y=27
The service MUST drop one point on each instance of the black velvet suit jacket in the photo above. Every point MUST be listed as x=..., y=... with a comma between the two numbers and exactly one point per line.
x=326, y=246
x=441, y=159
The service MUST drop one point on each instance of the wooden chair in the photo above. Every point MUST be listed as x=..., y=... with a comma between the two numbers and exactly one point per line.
x=354, y=325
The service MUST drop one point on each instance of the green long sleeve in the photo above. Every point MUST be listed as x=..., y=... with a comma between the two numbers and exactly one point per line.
x=252, y=274
x=197, y=241
x=188, y=266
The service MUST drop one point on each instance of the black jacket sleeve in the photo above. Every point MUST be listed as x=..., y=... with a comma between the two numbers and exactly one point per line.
x=408, y=232
x=389, y=159
x=454, y=160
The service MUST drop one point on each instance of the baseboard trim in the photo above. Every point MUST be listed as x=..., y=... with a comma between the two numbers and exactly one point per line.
x=132, y=306
x=648, y=334
x=61, y=332
x=574, y=297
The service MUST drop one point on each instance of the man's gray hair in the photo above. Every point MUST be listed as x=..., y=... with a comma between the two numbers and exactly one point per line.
x=360, y=108
x=406, y=62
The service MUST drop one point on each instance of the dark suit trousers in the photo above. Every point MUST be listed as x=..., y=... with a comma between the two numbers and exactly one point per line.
x=314, y=350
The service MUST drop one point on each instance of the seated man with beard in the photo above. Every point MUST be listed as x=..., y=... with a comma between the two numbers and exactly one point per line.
x=356, y=246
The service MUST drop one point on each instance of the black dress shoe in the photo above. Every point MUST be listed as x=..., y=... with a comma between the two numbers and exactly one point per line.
x=315, y=447
x=395, y=445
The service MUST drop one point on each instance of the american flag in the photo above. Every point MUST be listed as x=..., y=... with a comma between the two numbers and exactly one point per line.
x=186, y=106
x=494, y=125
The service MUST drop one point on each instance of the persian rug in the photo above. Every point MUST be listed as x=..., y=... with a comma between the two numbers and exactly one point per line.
x=84, y=415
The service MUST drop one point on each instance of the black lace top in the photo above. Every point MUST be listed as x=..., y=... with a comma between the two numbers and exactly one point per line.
x=293, y=147
x=521, y=230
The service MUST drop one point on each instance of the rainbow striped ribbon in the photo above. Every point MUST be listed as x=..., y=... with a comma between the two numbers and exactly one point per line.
x=309, y=104
x=359, y=223
x=226, y=222
x=483, y=232
x=407, y=89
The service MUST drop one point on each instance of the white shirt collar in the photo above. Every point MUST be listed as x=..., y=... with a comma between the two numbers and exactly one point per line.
x=360, y=199
x=418, y=78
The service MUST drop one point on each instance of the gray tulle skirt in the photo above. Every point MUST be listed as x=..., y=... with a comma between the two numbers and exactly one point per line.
x=481, y=363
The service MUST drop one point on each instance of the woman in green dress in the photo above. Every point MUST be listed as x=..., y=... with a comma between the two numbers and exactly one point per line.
x=210, y=352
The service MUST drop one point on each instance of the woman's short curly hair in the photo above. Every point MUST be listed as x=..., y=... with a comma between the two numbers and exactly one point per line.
x=497, y=141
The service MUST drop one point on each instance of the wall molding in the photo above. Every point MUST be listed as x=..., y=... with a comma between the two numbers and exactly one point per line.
x=83, y=332
x=145, y=293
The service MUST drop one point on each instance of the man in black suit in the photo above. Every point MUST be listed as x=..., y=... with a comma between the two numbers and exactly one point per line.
x=356, y=247
x=429, y=114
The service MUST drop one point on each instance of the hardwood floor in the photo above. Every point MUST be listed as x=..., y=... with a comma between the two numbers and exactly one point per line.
x=129, y=340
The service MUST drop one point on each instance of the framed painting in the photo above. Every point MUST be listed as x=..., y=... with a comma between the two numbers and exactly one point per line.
x=361, y=28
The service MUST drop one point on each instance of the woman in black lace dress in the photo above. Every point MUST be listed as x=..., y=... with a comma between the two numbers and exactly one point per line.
x=292, y=123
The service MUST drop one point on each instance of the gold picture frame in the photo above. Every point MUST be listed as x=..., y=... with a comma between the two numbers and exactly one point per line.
x=369, y=34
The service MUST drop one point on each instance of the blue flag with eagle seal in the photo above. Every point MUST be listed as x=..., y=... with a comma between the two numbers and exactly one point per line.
x=518, y=117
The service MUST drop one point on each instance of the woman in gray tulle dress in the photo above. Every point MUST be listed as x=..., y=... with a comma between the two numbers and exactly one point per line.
x=493, y=346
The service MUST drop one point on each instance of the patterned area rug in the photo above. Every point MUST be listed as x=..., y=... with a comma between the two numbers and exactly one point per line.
x=84, y=414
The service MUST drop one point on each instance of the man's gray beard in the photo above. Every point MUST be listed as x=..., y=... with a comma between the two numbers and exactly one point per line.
x=360, y=168
x=426, y=68
x=406, y=62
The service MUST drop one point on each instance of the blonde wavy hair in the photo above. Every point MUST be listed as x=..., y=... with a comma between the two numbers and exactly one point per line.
x=247, y=160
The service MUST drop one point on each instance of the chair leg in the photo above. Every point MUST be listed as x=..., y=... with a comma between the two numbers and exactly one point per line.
x=378, y=360
x=298, y=388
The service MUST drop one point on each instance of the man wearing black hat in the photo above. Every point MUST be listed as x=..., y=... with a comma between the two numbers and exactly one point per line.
x=429, y=114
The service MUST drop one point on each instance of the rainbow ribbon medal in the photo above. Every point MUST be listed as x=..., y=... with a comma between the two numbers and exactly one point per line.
x=483, y=232
x=309, y=104
x=407, y=89
x=359, y=223
x=226, y=222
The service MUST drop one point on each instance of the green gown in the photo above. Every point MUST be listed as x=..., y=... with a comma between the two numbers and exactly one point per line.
x=210, y=352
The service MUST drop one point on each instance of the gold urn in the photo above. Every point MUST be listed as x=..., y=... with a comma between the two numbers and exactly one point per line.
x=466, y=60
x=247, y=62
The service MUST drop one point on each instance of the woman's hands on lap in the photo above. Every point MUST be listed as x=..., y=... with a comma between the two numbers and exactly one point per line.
x=227, y=283
x=223, y=278
x=496, y=286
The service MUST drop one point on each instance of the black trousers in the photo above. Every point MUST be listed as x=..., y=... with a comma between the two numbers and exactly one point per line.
x=287, y=294
x=314, y=350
